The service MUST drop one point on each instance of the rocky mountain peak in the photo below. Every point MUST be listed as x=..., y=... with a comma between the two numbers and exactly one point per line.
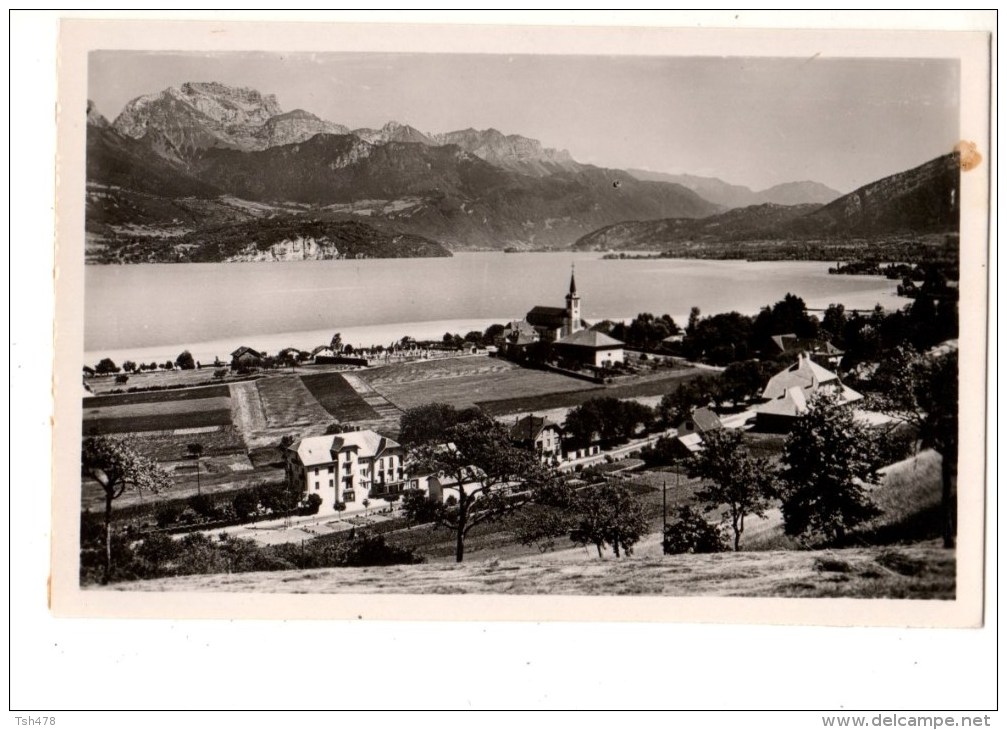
x=94, y=117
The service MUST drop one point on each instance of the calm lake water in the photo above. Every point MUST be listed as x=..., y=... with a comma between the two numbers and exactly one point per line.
x=145, y=310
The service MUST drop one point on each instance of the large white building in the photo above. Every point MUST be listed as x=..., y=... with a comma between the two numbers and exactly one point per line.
x=347, y=468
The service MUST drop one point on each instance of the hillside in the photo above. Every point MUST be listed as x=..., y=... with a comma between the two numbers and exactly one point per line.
x=740, y=196
x=922, y=571
x=281, y=238
x=919, y=201
x=471, y=189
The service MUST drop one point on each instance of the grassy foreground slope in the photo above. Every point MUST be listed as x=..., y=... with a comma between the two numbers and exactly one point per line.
x=925, y=571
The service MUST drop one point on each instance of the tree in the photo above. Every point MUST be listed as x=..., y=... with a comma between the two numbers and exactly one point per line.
x=678, y=405
x=834, y=323
x=609, y=419
x=117, y=467
x=430, y=422
x=829, y=458
x=691, y=533
x=923, y=390
x=195, y=451
x=690, y=328
x=742, y=381
x=608, y=515
x=336, y=342
x=738, y=484
x=488, y=475
x=106, y=367
x=129, y=366
x=184, y=361
x=492, y=333
x=121, y=379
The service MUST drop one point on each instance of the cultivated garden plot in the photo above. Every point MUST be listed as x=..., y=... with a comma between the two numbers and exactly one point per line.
x=156, y=411
x=575, y=396
x=464, y=382
x=338, y=397
x=288, y=403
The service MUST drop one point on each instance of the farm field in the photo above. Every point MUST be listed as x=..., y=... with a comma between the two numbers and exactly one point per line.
x=655, y=386
x=199, y=413
x=157, y=396
x=338, y=397
x=465, y=382
x=158, y=378
x=287, y=402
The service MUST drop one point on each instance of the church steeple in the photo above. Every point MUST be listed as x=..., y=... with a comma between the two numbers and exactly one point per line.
x=573, y=323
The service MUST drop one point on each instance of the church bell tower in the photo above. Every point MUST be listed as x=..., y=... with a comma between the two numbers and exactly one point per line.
x=573, y=306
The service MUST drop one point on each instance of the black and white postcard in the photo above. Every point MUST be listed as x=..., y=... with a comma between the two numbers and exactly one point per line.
x=544, y=323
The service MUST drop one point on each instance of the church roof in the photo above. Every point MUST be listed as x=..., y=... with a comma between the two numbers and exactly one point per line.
x=546, y=316
x=590, y=338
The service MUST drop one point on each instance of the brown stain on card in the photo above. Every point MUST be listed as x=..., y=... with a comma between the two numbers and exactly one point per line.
x=968, y=154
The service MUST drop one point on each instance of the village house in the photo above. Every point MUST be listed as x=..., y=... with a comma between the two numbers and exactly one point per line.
x=701, y=420
x=540, y=435
x=591, y=348
x=791, y=344
x=787, y=394
x=347, y=468
x=246, y=358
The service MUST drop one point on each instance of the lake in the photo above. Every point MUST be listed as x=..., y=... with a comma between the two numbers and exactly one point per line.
x=152, y=311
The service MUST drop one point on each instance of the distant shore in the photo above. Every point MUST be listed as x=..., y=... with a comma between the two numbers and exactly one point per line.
x=360, y=336
x=385, y=334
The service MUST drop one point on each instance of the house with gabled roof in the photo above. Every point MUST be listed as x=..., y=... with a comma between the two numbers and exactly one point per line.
x=589, y=347
x=246, y=357
x=701, y=420
x=346, y=468
x=788, y=392
x=539, y=435
x=820, y=348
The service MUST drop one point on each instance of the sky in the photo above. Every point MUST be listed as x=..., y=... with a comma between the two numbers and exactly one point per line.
x=749, y=121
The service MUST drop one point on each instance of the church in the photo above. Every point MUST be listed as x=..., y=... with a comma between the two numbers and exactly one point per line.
x=554, y=323
x=566, y=334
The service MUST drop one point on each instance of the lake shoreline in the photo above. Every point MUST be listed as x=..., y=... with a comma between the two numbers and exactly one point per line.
x=151, y=313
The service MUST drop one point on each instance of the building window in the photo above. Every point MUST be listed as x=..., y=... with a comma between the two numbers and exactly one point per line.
x=316, y=471
x=349, y=496
x=332, y=482
x=317, y=485
x=330, y=470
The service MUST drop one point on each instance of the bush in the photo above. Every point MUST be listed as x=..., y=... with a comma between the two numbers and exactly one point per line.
x=340, y=506
x=204, y=506
x=371, y=550
x=245, y=504
x=312, y=504
x=691, y=533
x=168, y=513
x=121, y=379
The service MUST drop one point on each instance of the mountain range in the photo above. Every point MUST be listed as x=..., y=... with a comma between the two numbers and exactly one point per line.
x=739, y=196
x=923, y=200
x=211, y=157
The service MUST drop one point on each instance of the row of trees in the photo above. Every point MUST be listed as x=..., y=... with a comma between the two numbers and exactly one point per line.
x=107, y=366
x=730, y=337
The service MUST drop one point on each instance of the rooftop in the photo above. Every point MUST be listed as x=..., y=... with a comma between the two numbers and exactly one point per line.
x=590, y=338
